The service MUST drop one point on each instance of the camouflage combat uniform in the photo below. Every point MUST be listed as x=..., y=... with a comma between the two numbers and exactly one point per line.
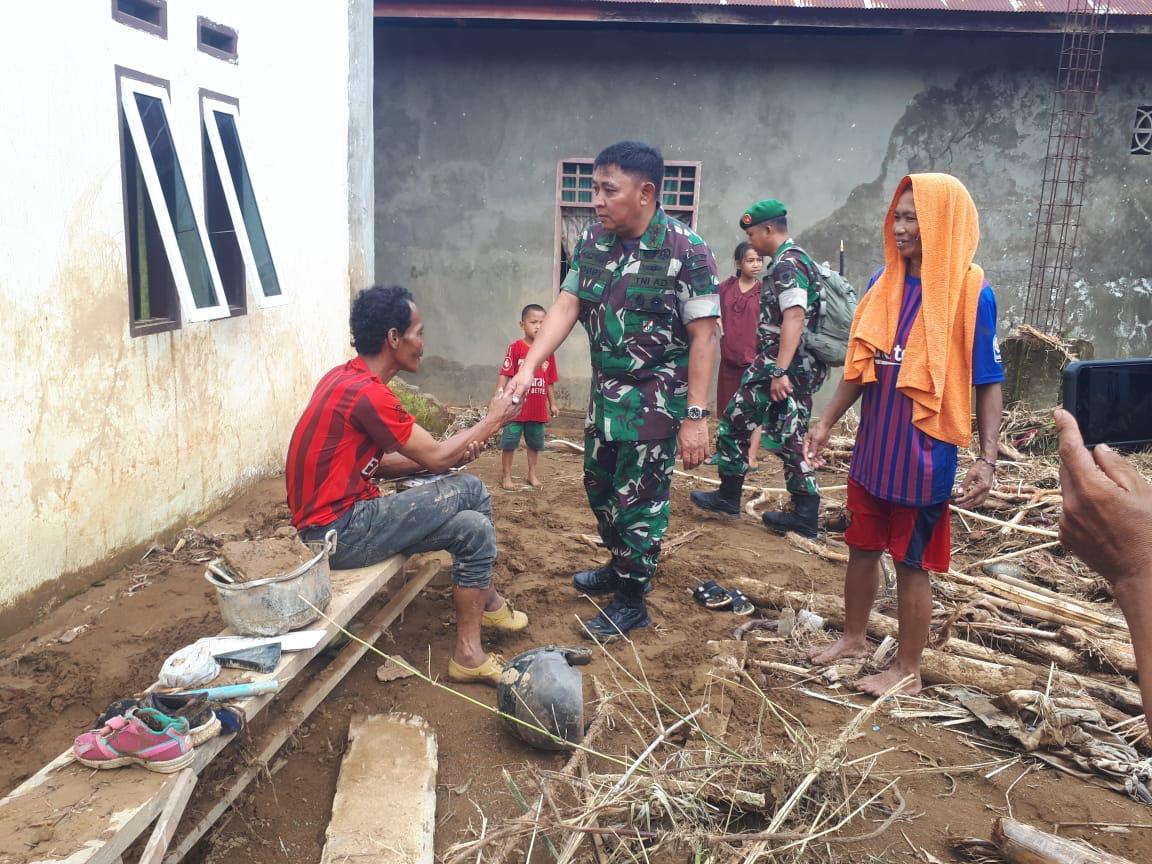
x=792, y=280
x=636, y=299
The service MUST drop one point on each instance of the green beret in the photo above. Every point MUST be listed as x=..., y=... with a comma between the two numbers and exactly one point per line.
x=762, y=211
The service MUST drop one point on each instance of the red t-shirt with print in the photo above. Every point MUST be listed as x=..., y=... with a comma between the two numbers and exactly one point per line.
x=351, y=421
x=535, y=408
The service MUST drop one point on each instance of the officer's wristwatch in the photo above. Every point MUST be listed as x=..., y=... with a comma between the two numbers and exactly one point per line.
x=695, y=412
x=778, y=372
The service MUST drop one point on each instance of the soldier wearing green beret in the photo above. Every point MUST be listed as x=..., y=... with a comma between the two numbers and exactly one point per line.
x=645, y=288
x=776, y=391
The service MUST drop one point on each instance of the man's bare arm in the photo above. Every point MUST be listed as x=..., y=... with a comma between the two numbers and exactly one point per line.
x=843, y=398
x=978, y=481
x=438, y=456
x=791, y=329
x=702, y=342
x=692, y=439
x=396, y=465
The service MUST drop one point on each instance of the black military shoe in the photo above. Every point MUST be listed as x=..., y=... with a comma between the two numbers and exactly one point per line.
x=725, y=501
x=602, y=580
x=619, y=617
x=803, y=518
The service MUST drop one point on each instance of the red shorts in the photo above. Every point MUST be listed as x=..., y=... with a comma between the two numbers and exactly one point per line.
x=918, y=537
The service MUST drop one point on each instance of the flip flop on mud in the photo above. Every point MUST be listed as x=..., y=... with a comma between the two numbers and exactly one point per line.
x=713, y=596
x=741, y=605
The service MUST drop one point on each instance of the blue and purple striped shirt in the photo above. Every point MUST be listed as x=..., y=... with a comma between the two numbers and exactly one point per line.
x=893, y=459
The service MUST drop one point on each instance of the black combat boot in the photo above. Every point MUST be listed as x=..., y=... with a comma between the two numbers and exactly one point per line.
x=602, y=580
x=725, y=501
x=803, y=518
x=626, y=612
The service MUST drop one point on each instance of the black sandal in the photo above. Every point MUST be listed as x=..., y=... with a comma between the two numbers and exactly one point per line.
x=712, y=596
x=741, y=605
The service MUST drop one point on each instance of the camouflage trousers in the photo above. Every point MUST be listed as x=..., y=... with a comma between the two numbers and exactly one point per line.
x=785, y=424
x=628, y=485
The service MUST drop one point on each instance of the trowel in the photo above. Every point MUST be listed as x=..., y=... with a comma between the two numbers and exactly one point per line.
x=261, y=658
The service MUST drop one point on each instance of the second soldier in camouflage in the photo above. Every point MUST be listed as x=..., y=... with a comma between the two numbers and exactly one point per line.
x=776, y=392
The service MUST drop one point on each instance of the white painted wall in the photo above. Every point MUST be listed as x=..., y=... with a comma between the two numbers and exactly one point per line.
x=106, y=439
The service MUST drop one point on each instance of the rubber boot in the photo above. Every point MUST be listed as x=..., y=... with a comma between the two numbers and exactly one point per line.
x=725, y=501
x=625, y=613
x=803, y=518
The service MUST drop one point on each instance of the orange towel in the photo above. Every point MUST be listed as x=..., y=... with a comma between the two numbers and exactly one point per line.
x=936, y=372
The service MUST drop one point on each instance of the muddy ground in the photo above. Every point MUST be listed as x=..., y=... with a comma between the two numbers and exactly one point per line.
x=58, y=673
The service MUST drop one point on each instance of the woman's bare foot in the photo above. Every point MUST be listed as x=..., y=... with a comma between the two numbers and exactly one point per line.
x=507, y=485
x=882, y=682
x=534, y=481
x=841, y=649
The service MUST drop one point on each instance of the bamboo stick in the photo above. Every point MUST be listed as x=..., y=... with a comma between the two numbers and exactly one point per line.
x=1073, y=611
x=1018, y=553
x=1025, y=529
x=1023, y=844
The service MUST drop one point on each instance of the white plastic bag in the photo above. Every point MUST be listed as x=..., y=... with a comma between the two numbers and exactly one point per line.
x=191, y=666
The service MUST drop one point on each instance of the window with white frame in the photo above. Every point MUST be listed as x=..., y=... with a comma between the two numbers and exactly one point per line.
x=575, y=211
x=168, y=256
x=237, y=226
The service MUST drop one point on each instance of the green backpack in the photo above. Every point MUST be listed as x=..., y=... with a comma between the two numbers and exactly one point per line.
x=827, y=335
x=826, y=338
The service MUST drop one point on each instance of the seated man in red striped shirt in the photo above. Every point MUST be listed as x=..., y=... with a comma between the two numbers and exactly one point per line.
x=355, y=428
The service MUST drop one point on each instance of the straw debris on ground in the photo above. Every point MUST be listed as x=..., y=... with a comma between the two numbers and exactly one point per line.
x=1028, y=651
x=690, y=793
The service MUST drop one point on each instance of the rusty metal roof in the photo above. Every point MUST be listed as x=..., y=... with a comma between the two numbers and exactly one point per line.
x=745, y=10
x=1049, y=7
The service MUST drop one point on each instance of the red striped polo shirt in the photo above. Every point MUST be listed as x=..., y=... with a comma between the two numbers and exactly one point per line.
x=351, y=421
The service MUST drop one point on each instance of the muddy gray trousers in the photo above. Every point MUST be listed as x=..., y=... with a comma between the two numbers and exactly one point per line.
x=453, y=514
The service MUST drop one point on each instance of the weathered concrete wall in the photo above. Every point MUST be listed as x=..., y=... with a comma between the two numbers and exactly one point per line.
x=106, y=439
x=470, y=123
x=361, y=139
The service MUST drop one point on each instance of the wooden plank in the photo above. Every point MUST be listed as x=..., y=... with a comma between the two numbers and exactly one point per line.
x=304, y=704
x=169, y=817
x=108, y=810
x=384, y=811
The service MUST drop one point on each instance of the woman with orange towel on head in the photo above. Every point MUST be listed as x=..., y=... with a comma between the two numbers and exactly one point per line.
x=924, y=335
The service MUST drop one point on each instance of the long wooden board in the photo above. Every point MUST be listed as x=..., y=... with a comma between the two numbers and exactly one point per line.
x=105, y=811
x=302, y=707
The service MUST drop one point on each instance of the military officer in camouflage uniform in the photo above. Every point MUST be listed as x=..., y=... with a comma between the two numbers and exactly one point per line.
x=645, y=288
x=776, y=391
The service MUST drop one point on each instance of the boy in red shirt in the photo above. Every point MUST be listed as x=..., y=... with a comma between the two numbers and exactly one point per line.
x=538, y=401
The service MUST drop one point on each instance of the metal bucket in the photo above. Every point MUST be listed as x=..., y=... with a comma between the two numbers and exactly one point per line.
x=273, y=606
